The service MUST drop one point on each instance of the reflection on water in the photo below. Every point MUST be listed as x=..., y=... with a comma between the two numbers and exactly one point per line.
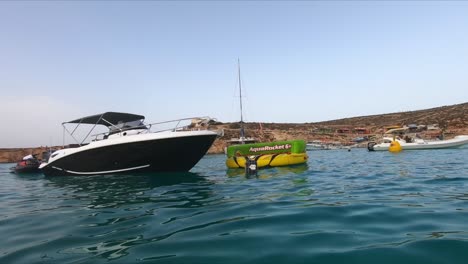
x=149, y=180
x=341, y=207
x=28, y=176
x=111, y=190
x=266, y=173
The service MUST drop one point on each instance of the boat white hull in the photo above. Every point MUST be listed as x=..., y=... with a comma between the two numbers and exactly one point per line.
x=152, y=152
x=456, y=142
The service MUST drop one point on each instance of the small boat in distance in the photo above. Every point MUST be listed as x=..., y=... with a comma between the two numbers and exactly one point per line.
x=245, y=150
x=29, y=164
x=418, y=143
x=319, y=145
x=130, y=145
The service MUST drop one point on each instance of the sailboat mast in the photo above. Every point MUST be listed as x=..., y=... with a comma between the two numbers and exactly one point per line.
x=240, y=89
x=240, y=101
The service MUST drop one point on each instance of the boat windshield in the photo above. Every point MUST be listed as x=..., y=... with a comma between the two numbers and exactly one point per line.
x=121, y=126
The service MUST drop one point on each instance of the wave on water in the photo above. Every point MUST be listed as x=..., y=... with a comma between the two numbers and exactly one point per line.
x=341, y=207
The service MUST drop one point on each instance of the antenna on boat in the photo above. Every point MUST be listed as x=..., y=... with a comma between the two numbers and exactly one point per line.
x=242, y=136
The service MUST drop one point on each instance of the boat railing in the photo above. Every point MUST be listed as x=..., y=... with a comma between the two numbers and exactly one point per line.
x=179, y=125
x=202, y=124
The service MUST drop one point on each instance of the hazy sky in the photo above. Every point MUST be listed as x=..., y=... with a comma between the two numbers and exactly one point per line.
x=302, y=61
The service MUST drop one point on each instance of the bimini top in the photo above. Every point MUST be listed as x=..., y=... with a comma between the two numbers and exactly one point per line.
x=107, y=119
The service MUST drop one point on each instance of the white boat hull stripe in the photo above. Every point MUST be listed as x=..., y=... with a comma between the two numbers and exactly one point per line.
x=101, y=172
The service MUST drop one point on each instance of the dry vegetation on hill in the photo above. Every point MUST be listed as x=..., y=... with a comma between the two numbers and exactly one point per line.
x=454, y=116
x=454, y=119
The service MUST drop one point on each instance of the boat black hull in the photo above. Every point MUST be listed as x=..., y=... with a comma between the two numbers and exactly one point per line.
x=177, y=154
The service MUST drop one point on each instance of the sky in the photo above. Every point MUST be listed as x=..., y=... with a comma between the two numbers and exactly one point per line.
x=304, y=61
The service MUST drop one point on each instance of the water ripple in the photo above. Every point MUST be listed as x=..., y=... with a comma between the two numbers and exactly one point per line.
x=357, y=207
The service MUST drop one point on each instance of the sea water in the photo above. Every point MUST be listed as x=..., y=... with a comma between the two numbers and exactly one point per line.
x=341, y=207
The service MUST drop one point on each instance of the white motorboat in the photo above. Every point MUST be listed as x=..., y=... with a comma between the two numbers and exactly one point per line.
x=417, y=143
x=130, y=145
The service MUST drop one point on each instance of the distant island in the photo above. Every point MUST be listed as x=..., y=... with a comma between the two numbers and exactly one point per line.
x=450, y=120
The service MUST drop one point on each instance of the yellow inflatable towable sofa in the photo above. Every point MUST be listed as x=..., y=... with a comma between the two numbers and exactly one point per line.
x=271, y=154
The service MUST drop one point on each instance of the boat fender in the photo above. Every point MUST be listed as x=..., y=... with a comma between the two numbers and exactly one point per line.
x=251, y=166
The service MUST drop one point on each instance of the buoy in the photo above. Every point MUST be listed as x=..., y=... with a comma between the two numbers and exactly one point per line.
x=394, y=146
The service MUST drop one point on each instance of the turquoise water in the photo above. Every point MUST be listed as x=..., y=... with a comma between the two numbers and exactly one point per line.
x=342, y=207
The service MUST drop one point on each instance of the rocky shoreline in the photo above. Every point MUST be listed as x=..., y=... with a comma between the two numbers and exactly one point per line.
x=450, y=120
x=10, y=155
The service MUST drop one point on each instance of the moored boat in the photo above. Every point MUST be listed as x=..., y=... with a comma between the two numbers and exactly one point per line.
x=29, y=164
x=130, y=145
x=418, y=144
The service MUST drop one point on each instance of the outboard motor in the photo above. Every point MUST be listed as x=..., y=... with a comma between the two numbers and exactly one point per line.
x=251, y=166
x=370, y=146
